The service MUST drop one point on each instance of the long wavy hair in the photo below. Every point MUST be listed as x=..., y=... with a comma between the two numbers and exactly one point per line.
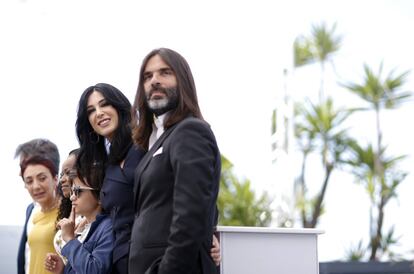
x=65, y=206
x=186, y=91
x=93, y=157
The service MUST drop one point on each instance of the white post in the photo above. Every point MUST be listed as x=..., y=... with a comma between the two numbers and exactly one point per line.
x=262, y=250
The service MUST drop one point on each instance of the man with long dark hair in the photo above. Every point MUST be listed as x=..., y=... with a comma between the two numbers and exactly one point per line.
x=176, y=183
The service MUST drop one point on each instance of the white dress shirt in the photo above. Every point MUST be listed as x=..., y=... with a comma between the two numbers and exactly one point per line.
x=157, y=129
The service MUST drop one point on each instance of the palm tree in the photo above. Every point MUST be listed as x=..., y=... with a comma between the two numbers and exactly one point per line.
x=381, y=188
x=319, y=127
x=319, y=47
x=380, y=93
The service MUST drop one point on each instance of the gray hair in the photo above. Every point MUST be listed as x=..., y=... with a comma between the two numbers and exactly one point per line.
x=41, y=148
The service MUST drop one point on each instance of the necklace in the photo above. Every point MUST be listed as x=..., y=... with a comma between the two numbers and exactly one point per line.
x=50, y=208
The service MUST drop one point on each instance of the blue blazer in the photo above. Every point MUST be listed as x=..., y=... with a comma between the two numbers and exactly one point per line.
x=94, y=255
x=117, y=200
x=22, y=246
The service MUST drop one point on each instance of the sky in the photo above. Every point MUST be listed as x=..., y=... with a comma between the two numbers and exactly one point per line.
x=52, y=50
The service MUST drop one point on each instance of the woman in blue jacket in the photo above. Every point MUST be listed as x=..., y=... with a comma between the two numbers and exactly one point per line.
x=87, y=250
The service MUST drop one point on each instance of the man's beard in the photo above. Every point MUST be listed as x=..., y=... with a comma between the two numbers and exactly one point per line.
x=161, y=106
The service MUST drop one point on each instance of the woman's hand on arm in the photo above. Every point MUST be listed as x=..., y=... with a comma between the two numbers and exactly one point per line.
x=215, y=251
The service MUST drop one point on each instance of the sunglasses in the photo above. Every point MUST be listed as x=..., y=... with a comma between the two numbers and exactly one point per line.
x=77, y=190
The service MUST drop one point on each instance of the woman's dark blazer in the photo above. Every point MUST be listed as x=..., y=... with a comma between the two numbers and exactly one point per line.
x=117, y=199
x=22, y=246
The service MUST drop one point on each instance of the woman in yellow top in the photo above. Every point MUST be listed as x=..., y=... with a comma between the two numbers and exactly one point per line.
x=40, y=178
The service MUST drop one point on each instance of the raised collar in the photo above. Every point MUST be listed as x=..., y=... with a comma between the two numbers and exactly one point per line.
x=159, y=121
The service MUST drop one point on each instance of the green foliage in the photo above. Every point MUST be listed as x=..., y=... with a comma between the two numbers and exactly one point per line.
x=302, y=51
x=387, y=242
x=237, y=202
x=362, y=166
x=322, y=124
x=381, y=93
x=356, y=253
x=325, y=41
x=381, y=188
x=318, y=47
x=318, y=128
x=379, y=174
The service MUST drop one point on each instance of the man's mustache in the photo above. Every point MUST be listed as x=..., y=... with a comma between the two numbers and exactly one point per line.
x=157, y=89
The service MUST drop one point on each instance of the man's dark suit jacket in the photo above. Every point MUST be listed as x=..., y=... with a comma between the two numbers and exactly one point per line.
x=22, y=246
x=176, y=188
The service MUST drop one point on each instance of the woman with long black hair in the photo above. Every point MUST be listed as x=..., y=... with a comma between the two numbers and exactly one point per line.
x=104, y=134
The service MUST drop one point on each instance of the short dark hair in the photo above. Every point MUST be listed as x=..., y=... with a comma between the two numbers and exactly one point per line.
x=186, y=91
x=91, y=181
x=43, y=148
x=38, y=160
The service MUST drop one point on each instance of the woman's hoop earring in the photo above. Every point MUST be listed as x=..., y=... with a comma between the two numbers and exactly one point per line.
x=94, y=137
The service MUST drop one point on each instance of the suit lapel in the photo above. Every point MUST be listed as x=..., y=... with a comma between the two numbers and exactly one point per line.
x=146, y=159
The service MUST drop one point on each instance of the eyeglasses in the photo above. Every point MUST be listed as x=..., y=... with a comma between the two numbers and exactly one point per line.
x=77, y=190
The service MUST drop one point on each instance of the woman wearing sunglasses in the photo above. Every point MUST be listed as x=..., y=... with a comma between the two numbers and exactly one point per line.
x=87, y=250
x=64, y=189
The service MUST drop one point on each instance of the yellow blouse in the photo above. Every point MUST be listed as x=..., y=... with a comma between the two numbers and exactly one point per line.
x=40, y=240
